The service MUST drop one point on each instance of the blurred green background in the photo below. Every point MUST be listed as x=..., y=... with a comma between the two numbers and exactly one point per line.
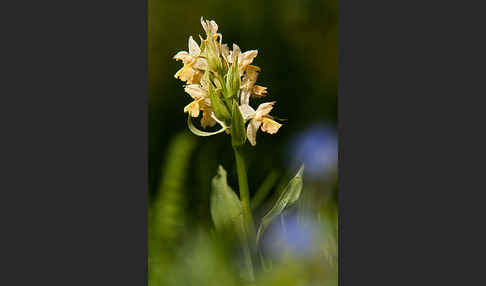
x=298, y=55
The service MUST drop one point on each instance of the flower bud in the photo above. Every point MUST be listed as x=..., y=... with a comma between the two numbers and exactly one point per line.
x=214, y=60
x=233, y=80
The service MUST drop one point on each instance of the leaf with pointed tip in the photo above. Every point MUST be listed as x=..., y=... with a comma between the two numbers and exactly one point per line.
x=198, y=132
x=287, y=198
x=225, y=206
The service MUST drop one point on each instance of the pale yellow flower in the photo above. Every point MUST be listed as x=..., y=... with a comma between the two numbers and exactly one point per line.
x=194, y=65
x=199, y=95
x=209, y=26
x=200, y=103
x=259, y=118
x=248, y=86
x=244, y=59
x=249, y=73
x=211, y=29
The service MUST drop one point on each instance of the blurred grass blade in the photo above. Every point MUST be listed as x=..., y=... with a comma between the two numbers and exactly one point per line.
x=198, y=132
x=289, y=196
x=167, y=208
x=169, y=201
x=264, y=189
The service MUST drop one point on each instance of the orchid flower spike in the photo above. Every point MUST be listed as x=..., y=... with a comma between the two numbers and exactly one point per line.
x=221, y=82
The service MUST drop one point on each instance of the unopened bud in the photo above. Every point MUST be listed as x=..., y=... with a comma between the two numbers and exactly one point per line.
x=233, y=80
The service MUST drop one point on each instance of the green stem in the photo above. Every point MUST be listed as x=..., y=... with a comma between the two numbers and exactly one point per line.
x=247, y=255
x=250, y=245
x=244, y=192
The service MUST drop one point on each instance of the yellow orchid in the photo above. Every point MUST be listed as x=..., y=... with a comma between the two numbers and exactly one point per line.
x=249, y=73
x=244, y=59
x=213, y=66
x=201, y=102
x=248, y=86
x=194, y=65
x=258, y=118
x=209, y=26
x=200, y=97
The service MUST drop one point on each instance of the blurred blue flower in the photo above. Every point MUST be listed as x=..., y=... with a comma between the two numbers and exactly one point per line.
x=299, y=237
x=317, y=147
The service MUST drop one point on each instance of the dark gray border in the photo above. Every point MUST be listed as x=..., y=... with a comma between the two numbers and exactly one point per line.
x=74, y=143
x=411, y=129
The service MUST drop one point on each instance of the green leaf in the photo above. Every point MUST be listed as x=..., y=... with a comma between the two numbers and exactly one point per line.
x=219, y=108
x=287, y=198
x=225, y=206
x=198, y=132
x=238, y=131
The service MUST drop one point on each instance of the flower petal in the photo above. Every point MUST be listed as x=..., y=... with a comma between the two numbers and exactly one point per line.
x=247, y=111
x=251, y=131
x=270, y=126
x=245, y=59
x=225, y=51
x=259, y=91
x=251, y=76
x=204, y=25
x=245, y=96
x=210, y=27
x=192, y=108
x=201, y=64
x=195, y=91
x=183, y=56
x=185, y=73
x=264, y=109
x=194, y=49
x=234, y=53
x=214, y=26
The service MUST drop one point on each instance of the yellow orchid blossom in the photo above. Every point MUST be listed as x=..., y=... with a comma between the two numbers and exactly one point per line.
x=213, y=64
x=248, y=86
x=194, y=65
x=259, y=118
x=244, y=59
x=201, y=102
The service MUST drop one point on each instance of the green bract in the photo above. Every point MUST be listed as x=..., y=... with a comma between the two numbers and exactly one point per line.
x=219, y=108
x=198, y=132
x=238, y=131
